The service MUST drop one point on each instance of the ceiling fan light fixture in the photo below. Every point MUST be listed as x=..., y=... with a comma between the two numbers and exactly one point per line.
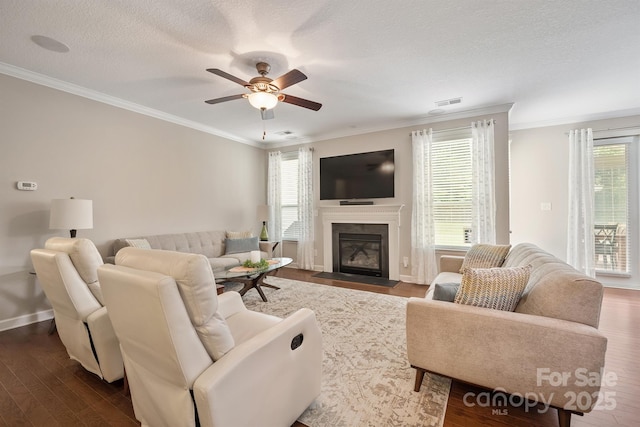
x=265, y=92
x=263, y=100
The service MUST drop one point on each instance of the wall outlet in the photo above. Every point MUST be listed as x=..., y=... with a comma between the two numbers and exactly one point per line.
x=545, y=206
x=405, y=261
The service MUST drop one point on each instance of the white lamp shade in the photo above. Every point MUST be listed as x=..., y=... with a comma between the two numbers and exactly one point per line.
x=263, y=100
x=263, y=213
x=71, y=214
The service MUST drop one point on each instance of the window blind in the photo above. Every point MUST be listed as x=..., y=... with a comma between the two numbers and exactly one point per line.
x=452, y=191
x=289, y=195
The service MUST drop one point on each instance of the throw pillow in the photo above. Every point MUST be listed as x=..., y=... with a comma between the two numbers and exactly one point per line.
x=445, y=291
x=138, y=243
x=236, y=246
x=239, y=234
x=497, y=288
x=483, y=255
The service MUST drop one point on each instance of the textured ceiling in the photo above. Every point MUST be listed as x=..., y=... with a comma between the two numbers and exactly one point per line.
x=372, y=64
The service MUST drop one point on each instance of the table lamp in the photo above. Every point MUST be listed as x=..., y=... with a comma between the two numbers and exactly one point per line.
x=71, y=214
x=263, y=215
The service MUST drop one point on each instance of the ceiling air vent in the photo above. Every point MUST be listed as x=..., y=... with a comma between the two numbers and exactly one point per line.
x=287, y=134
x=446, y=102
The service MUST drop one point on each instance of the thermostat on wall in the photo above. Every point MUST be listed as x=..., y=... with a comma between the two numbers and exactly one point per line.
x=27, y=185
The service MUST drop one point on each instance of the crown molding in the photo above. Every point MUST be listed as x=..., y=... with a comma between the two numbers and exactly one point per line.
x=575, y=119
x=397, y=124
x=73, y=89
x=425, y=120
x=37, y=78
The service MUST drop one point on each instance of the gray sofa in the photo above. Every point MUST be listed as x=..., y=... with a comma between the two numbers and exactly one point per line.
x=552, y=334
x=211, y=244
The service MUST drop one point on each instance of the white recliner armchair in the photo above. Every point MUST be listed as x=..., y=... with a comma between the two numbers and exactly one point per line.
x=67, y=270
x=197, y=358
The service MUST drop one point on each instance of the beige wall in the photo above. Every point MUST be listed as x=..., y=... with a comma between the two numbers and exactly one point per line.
x=539, y=174
x=400, y=140
x=531, y=168
x=144, y=175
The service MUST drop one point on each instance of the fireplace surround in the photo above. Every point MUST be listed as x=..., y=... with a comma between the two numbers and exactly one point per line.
x=387, y=215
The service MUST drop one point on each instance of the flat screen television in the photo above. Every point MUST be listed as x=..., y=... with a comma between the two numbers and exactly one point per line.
x=357, y=176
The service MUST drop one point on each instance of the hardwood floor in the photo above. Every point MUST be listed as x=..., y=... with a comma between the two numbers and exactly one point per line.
x=41, y=386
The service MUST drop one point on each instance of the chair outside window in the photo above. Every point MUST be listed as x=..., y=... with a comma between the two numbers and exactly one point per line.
x=606, y=246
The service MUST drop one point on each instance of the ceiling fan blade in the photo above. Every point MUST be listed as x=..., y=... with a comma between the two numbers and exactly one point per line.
x=289, y=79
x=227, y=76
x=224, y=99
x=301, y=102
x=267, y=114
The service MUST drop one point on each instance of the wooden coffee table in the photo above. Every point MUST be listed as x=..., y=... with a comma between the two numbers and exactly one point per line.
x=251, y=278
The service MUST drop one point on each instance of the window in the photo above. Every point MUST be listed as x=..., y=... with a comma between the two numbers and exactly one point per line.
x=452, y=190
x=289, y=195
x=612, y=182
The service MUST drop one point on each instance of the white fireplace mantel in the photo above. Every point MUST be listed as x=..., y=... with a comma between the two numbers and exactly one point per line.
x=363, y=214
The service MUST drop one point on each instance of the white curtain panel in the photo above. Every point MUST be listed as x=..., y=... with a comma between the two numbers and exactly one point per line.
x=483, y=216
x=580, y=235
x=423, y=253
x=305, y=209
x=273, y=197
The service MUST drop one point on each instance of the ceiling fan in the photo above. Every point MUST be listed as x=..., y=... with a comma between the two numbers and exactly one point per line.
x=265, y=92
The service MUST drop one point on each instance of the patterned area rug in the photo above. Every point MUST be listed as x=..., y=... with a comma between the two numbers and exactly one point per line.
x=367, y=380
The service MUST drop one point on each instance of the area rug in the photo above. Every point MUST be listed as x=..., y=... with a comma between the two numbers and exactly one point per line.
x=367, y=380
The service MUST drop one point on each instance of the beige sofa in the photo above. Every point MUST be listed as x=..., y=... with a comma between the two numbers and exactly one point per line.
x=549, y=350
x=211, y=244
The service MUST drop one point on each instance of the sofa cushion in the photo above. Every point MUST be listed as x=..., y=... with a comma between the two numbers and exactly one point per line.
x=483, y=255
x=223, y=263
x=235, y=246
x=555, y=288
x=445, y=291
x=497, y=288
x=207, y=243
x=194, y=277
x=448, y=277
